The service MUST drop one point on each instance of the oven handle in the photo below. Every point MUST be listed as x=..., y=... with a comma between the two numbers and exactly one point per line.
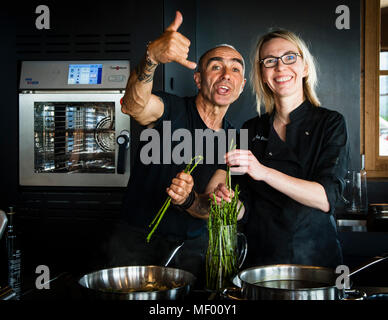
x=123, y=142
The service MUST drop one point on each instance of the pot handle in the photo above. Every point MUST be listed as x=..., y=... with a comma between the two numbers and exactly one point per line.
x=354, y=295
x=173, y=254
x=230, y=293
x=374, y=260
x=244, y=250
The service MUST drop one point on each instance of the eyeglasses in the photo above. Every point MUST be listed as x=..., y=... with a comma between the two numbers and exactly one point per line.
x=288, y=58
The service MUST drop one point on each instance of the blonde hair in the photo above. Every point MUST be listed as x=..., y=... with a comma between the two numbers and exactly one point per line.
x=262, y=91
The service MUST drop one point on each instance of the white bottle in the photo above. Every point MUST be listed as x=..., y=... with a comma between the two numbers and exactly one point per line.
x=363, y=187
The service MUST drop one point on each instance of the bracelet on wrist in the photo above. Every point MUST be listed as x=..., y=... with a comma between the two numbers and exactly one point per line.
x=188, y=202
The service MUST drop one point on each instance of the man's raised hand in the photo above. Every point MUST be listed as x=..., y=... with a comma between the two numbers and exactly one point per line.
x=171, y=46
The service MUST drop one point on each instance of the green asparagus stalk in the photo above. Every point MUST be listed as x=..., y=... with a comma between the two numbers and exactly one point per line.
x=221, y=260
x=158, y=217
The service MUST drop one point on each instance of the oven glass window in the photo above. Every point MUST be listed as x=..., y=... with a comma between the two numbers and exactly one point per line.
x=76, y=137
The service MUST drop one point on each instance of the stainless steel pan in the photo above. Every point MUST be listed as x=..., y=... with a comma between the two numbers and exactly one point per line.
x=139, y=282
x=292, y=282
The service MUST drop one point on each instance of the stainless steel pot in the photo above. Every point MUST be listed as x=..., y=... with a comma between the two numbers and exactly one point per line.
x=139, y=282
x=288, y=282
x=293, y=282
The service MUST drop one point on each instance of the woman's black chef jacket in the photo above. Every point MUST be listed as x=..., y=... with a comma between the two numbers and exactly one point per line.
x=279, y=229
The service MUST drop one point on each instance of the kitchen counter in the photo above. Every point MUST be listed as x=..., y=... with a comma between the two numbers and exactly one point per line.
x=351, y=222
x=65, y=287
x=375, y=220
x=352, y=225
x=68, y=258
x=199, y=304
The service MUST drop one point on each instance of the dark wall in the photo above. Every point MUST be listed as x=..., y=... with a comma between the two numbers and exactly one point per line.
x=121, y=30
x=178, y=79
x=63, y=225
x=337, y=51
x=78, y=30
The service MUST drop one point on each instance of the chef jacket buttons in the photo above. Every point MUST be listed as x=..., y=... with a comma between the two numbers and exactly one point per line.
x=307, y=133
x=270, y=154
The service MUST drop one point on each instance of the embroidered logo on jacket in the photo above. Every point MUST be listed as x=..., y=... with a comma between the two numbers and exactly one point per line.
x=260, y=138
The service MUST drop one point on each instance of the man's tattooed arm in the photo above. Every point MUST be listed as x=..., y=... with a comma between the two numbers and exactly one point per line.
x=146, y=70
x=200, y=206
x=138, y=100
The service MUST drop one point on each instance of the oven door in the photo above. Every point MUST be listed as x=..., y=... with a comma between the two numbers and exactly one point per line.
x=69, y=139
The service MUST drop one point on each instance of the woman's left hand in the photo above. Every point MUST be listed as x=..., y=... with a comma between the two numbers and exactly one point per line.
x=243, y=161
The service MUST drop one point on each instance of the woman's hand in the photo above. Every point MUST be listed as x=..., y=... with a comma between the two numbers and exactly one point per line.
x=222, y=192
x=243, y=161
x=308, y=193
x=180, y=188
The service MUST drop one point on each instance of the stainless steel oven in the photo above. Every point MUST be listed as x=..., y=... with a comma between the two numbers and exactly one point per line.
x=71, y=128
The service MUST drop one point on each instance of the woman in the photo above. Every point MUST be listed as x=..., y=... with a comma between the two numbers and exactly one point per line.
x=296, y=162
x=293, y=170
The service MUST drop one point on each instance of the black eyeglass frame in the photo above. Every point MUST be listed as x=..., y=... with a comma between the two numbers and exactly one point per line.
x=281, y=58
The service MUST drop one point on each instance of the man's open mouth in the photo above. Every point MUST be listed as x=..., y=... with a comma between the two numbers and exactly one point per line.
x=223, y=90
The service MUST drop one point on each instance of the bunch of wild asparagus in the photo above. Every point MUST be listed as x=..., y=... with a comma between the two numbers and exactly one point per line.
x=158, y=217
x=221, y=257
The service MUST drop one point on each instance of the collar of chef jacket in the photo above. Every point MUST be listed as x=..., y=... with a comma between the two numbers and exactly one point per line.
x=297, y=134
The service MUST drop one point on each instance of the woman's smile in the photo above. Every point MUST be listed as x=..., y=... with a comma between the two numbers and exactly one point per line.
x=284, y=80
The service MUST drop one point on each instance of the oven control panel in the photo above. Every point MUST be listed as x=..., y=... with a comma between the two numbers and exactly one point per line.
x=74, y=75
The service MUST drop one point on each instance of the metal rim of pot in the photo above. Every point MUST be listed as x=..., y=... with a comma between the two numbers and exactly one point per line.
x=118, y=292
x=248, y=291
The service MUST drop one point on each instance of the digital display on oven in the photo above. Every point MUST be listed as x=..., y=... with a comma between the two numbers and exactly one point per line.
x=85, y=74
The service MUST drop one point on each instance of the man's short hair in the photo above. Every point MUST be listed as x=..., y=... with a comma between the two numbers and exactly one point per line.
x=199, y=66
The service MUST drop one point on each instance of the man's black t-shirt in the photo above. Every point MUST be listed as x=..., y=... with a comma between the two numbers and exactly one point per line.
x=147, y=185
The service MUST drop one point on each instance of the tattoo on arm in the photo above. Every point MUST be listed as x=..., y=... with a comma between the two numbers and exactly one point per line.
x=201, y=204
x=145, y=70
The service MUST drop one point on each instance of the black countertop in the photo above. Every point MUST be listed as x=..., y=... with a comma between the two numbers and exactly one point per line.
x=69, y=255
x=65, y=287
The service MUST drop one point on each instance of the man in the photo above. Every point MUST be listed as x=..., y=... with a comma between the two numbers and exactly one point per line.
x=220, y=80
